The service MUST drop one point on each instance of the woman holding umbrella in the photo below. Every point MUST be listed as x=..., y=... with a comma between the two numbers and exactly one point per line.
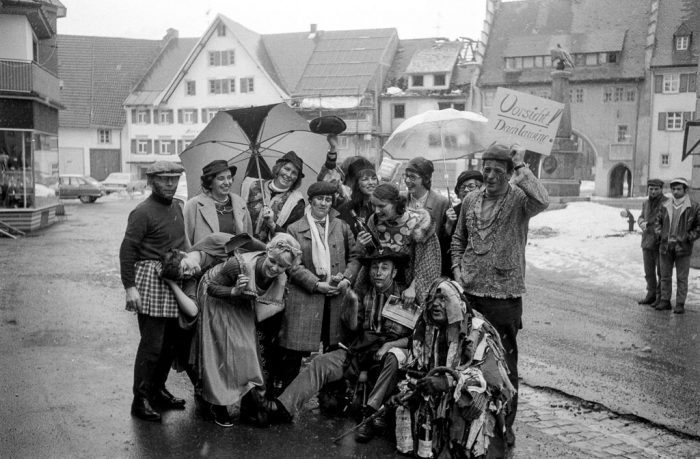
x=275, y=204
x=217, y=208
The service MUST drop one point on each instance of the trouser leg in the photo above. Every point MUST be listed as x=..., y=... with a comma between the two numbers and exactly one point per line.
x=509, y=335
x=168, y=352
x=666, y=266
x=682, y=271
x=650, y=258
x=290, y=365
x=323, y=369
x=386, y=382
x=152, y=330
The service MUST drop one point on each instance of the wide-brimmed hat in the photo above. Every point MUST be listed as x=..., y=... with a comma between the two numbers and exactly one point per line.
x=399, y=258
x=327, y=125
x=165, y=169
x=216, y=166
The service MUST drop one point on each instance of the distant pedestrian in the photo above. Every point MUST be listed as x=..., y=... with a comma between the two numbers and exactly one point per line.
x=155, y=226
x=678, y=225
x=650, y=241
x=488, y=248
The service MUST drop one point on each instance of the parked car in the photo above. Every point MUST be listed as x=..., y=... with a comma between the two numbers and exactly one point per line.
x=116, y=182
x=74, y=186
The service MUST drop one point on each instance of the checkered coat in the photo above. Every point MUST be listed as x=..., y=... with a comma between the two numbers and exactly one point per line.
x=303, y=314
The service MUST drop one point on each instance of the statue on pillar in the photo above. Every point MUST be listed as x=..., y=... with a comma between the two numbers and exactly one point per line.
x=561, y=58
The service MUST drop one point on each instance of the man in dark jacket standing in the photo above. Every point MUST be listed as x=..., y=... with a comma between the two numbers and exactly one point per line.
x=155, y=226
x=650, y=241
x=678, y=225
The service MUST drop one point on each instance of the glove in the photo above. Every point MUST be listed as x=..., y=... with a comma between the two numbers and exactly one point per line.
x=433, y=384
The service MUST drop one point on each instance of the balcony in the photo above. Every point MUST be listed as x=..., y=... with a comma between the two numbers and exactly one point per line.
x=28, y=78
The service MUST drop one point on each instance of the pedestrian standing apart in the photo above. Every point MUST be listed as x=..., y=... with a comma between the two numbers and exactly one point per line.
x=678, y=225
x=328, y=268
x=488, y=248
x=154, y=226
x=650, y=241
x=467, y=182
x=418, y=177
x=217, y=208
x=364, y=179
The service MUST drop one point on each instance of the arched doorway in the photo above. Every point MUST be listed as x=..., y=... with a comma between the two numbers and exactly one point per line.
x=620, y=183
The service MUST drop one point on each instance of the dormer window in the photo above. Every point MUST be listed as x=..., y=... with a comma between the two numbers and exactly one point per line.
x=682, y=38
x=682, y=42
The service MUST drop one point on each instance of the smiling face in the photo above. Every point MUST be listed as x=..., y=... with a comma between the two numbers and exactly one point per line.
x=367, y=183
x=496, y=177
x=276, y=263
x=320, y=206
x=385, y=210
x=413, y=181
x=164, y=186
x=189, y=266
x=221, y=185
x=382, y=274
x=469, y=185
x=287, y=176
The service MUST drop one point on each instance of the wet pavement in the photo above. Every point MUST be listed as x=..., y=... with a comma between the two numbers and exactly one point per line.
x=67, y=349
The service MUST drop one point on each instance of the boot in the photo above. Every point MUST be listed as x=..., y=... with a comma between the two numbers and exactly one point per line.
x=679, y=308
x=143, y=410
x=365, y=432
x=167, y=401
x=649, y=299
x=663, y=305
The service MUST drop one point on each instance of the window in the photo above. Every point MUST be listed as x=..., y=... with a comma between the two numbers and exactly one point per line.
x=221, y=30
x=399, y=111
x=539, y=61
x=528, y=62
x=186, y=143
x=219, y=58
x=104, y=136
x=510, y=63
x=143, y=117
x=671, y=83
x=189, y=116
x=165, y=116
x=579, y=60
x=631, y=94
x=602, y=58
x=142, y=146
x=576, y=95
x=166, y=147
x=211, y=113
x=607, y=94
x=460, y=107
x=591, y=59
x=247, y=85
x=343, y=142
x=674, y=121
x=518, y=63
x=190, y=88
x=456, y=106
x=665, y=159
x=548, y=61
x=682, y=42
x=612, y=58
x=439, y=79
x=417, y=80
x=488, y=98
x=623, y=135
x=224, y=86
x=619, y=94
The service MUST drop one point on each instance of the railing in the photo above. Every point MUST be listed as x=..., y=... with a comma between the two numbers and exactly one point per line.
x=27, y=77
x=621, y=152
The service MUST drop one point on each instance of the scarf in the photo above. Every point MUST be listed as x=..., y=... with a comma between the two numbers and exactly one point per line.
x=677, y=205
x=267, y=303
x=320, y=255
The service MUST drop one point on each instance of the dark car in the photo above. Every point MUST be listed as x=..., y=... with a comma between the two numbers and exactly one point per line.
x=71, y=186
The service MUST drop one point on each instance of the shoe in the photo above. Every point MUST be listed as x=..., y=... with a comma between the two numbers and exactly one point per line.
x=165, y=400
x=655, y=303
x=364, y=433
x=679, y=309
x=276, y=412
x=379, y=423
x=649, y=299
x=663, y=305
x=221, y=416
x=141, y=409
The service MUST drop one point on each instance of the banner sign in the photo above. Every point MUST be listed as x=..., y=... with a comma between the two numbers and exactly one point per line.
x=524, y=119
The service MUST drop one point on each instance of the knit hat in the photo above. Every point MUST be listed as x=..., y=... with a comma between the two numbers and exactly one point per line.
x=422, y=167
x=291, y=157
x=468, y=175
x=322, y=189
x=679, y=181
x=358, y=166
x=501, y=153
x=655, y=182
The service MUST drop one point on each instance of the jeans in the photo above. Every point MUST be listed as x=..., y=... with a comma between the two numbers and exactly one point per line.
x=155, y=354
x=652, y=271
x=682, y=262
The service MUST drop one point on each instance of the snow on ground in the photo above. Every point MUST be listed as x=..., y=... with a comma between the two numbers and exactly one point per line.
x=589, y=242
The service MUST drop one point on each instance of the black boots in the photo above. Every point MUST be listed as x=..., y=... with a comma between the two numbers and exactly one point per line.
x=649, y=299
x=167, y=401
x=143, y=410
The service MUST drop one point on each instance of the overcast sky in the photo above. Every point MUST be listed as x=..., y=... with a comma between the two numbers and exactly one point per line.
x=151, y=18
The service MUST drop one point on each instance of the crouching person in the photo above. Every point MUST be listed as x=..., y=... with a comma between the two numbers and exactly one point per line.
x=374, y=341
x=460, y=405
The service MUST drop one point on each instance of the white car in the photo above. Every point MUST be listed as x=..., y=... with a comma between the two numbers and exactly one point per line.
x=116, y=182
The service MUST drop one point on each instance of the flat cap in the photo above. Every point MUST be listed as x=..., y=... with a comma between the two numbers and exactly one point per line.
x=655, y=182
x=322, y=189
x=499, y=152
x=165, y=168
x=679, y=181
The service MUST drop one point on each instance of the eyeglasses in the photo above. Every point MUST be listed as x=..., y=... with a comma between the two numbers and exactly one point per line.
x=411, y=177
x=469, y=186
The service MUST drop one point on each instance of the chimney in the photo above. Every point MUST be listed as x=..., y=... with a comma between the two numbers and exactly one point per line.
x=170, y=34
x=312, y=31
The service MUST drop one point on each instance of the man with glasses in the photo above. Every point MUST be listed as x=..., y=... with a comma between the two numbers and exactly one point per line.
x=488, y=248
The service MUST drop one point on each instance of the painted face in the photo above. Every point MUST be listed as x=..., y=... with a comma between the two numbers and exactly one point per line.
x=189, y=267
x=320, y=206
x=495, y=177
x=654, y=191
x=221, y=185
x=276, y=264
x=437, y=309
x=385, y=210
x=164, y=186
x=678, y=191
x=469, y=185
x=287, y=175
x=367, y=183
x=382, y=274
x=413, y=181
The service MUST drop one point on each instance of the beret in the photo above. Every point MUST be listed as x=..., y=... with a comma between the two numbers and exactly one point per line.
x=322, y=189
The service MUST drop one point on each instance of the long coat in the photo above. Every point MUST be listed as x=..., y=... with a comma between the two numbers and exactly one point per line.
x=201, y=219
x=303, y=314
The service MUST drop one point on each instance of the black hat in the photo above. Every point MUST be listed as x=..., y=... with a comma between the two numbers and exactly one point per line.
x=468, y=175
x=322, y=189
x=501, y=153
x=245, y=243
x=655, y=182
x=327, y=125
x=359, y=165
x=216, y=166
x=291, y=157
x=399, y=258
x=421, y=166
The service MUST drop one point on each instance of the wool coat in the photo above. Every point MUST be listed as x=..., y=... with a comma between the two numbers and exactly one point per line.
x=201, y=219
x=649, y=215
x=303, y=314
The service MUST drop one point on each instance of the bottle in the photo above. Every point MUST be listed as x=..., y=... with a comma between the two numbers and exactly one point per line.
x=363, y=226
x=425, y=431
x=404, y=436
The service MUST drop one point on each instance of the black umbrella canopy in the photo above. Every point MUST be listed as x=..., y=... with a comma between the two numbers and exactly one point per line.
x=239, y=135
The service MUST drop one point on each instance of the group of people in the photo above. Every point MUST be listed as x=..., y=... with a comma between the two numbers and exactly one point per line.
x=415, y=298
x=669, y=227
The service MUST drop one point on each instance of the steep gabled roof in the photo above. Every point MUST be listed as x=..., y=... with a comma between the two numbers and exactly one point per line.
x=289, y=53
x=404, y=53
x=440, y=57
x=97, y=75
x=584, y=26
x=672, y=16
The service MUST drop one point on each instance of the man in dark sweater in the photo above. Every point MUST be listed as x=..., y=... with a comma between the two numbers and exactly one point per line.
x=650, y=241
x=155, y=226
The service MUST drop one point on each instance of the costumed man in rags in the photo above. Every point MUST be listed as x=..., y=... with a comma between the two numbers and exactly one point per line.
x=462, y=400
x=154, y=226
x=650, y=241
x=373, y=341
x=488, y=248
x=678, y=225
x=418, y=179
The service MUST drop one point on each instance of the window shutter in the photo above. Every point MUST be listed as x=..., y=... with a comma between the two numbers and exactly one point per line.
x=687, y=116
x=204, y=113
x=179, y=147
x=179, y=116
x=658, y=83
x=149, y=146
x=134, y=119
x=133, y=146
x=194, y=116
x=662, y=121
x=684, y=83
x=691, y=82
x=148, y=117
x=156, y=146
x=156, y=116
